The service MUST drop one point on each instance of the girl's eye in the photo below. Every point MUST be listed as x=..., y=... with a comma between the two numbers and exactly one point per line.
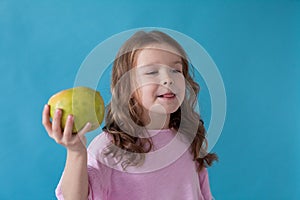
x=177, y=71
x=151, y=72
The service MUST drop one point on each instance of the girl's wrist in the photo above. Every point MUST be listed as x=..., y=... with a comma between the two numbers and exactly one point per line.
x=77, y=154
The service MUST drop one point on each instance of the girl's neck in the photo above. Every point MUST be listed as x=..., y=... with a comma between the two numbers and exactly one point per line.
x=157, y=121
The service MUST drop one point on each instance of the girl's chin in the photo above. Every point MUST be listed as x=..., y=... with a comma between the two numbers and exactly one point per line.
x=165, y=111
x=162, y=108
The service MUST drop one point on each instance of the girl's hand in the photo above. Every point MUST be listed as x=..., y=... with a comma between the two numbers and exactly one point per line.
x=73, y=142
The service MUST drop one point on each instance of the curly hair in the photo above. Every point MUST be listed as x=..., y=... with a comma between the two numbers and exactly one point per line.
x=124, y=108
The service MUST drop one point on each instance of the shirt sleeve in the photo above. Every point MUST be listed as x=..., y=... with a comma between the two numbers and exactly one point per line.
x=204, y=184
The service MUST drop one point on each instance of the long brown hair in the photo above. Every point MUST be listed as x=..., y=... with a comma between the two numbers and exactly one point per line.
x=123, y=112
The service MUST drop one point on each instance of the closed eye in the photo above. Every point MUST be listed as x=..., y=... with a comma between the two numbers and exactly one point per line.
x=151, y=72
x=176, y=71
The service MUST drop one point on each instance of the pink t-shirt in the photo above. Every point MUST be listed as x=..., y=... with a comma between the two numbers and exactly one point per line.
x=172, y=174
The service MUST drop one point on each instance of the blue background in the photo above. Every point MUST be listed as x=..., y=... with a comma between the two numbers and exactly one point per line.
x=255, y=45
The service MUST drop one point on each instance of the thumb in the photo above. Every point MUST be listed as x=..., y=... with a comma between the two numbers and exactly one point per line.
x=84, y=130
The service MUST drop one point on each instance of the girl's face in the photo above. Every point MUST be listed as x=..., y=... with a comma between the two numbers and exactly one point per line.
x=160, y=82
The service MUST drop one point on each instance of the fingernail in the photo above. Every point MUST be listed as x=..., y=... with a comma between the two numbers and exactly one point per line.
x=70, y=117
x=57, y=111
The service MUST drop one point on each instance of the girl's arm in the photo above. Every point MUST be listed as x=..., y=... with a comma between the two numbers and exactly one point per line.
x=204, y=184
x=74, y=182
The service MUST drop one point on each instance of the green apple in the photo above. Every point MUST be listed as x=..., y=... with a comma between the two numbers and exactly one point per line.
x=85, y=104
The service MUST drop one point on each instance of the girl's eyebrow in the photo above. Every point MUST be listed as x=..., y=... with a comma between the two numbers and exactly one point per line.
x=177, y=62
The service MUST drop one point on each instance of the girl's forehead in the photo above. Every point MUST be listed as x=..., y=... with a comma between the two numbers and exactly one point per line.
x=153, y=56
x=157, y=53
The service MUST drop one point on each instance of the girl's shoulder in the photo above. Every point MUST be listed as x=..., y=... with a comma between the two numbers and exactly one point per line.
x=99, y=143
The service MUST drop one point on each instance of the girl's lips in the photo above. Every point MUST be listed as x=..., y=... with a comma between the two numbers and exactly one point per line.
x=167, y=95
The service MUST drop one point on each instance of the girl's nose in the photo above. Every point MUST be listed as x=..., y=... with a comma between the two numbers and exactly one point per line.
x=167, y=80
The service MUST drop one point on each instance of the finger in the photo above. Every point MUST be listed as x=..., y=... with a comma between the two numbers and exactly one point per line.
x=46, y=120
x=69, y=128
x=56, y=128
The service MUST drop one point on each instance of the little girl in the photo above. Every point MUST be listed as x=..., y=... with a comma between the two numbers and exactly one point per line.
x=153, y=144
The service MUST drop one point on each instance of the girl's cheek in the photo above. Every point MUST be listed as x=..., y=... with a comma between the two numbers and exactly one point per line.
x=180, y=82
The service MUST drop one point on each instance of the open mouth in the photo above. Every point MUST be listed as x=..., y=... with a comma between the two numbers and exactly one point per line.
x=167, y=95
